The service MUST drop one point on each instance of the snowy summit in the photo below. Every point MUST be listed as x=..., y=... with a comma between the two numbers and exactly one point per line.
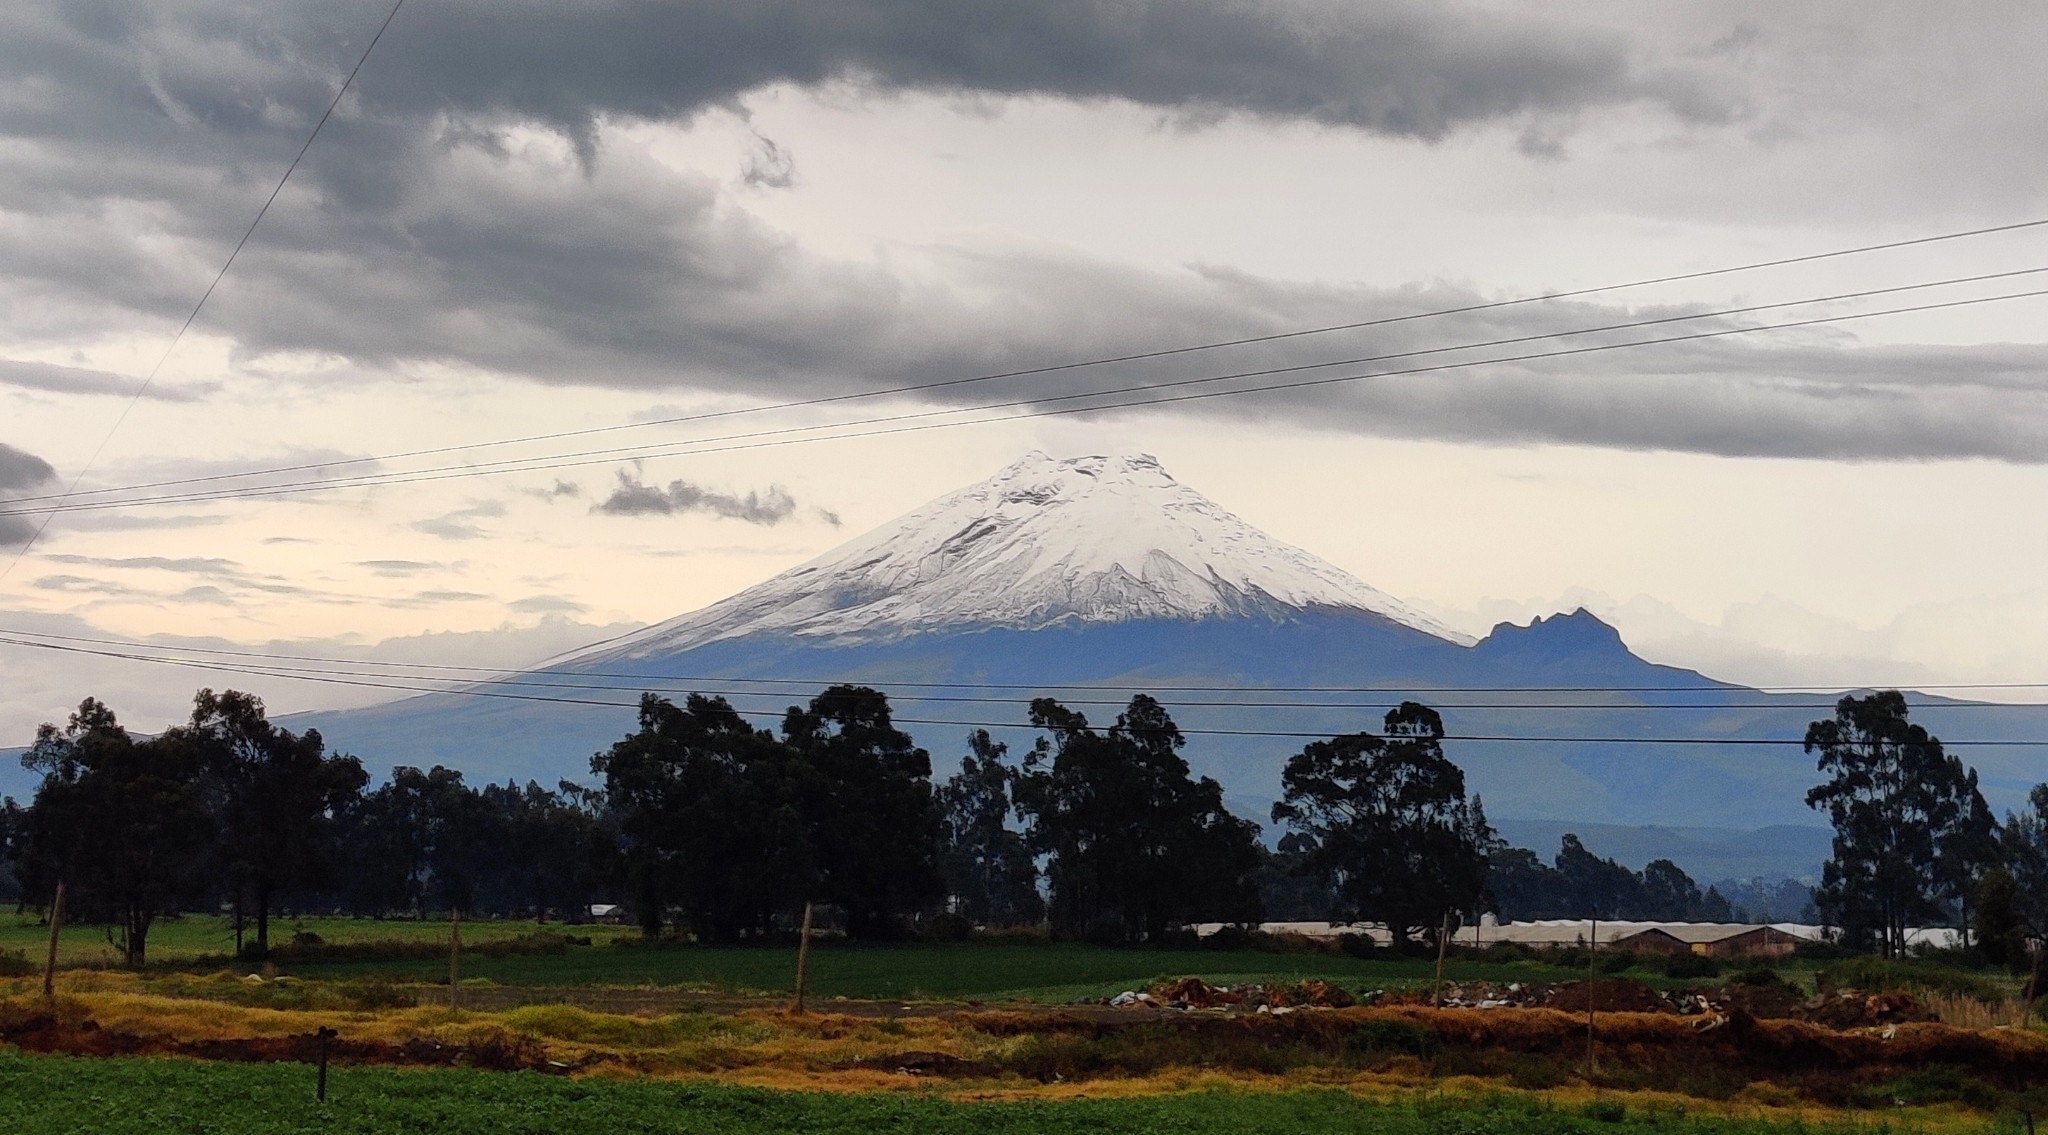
x=1045, y=542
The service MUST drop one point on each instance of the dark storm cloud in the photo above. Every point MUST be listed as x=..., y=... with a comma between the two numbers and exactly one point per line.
x=426, y=228
x=632, y=497
x=415, y=196
x=1409, y=69
x=20, y=471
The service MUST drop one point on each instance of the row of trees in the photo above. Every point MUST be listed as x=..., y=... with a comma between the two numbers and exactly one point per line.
x=706, y=825
x=1579, y=884
x=228, y=809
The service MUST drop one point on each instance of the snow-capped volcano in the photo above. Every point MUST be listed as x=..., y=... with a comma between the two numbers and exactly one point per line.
x=1045, y=542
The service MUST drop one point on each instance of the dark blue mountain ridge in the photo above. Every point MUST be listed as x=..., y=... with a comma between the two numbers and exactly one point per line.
x=1642, y=782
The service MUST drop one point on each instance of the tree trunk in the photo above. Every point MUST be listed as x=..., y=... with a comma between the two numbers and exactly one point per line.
x=263, y=918
x=137, y=929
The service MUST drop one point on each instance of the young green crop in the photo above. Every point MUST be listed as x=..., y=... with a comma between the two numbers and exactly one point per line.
x=47, y=1095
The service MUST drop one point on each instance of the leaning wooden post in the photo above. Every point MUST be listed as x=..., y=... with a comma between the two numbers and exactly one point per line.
x=2026, y=1008
x=803, y=958
x=1443, y=941
x=454, y=954
x=1592, y=948
x=323, y=1036
x=50, y=959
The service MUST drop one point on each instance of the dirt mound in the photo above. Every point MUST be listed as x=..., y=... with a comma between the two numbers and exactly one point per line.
x=922, y=1063
x=1194, y=993
x=497, y=1050
x=1310, y=994
x=1853, y=1009
x=1607, y=995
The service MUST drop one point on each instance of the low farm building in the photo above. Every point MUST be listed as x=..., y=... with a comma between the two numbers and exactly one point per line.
x=1712, y=939
x=1715, y=939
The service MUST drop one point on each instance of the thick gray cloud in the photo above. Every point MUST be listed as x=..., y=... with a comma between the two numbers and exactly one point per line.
x=422, y=232
x=1389, y=66
x=632, y=497
x=81, y=380
x=427, y=237
x=20, y=471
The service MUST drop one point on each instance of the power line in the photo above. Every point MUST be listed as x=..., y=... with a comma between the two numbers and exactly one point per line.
x=470, y=691
x=828, y=680
x=914, y=388
x=767, y=438
x=278, y=666
x=150, y=379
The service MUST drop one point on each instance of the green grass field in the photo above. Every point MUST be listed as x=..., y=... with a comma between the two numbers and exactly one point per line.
x=48, y=1095
x=1049, y=972
x=981, y=970
x=182, y=939
x=1038, y=971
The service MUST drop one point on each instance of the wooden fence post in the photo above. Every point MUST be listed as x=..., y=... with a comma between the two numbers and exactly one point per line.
x=454, y=955
x=803, y=957
x=50, y=959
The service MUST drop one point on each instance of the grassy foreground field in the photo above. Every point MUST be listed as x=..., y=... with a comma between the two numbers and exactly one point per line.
x=189, y=937
x=46, y=1095
x=992, y=971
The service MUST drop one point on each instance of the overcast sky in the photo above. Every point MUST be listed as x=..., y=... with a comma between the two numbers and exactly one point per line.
x=532, y=216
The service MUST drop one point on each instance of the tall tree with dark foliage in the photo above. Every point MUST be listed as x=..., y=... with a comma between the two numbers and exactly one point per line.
x=1135, y=844
x=122, y=821
x=709, y=818
x=275, y=797
x=1388, y=823
x=990, y=875
x=1893, y=797
x=866, y=797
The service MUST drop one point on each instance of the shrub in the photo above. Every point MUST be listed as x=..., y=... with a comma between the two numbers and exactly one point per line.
x=1392, y=1036
x=15, y=963
x=1605, y=1111
x=1690, y=965
x=1758, y=973
x=1617, y=963
x=1504, y=952
x=1878, y=974
x=947, y=927
x=1356, y=945
x=1936, y=1084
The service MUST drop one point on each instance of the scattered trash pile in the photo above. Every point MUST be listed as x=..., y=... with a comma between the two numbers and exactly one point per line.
x=1608, y=995
x=1852, y=1009
x=1194, y=993
x=1712, y=1007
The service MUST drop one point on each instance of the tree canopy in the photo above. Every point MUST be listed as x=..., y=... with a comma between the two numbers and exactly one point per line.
x=1387, y=823
x=1133, y=842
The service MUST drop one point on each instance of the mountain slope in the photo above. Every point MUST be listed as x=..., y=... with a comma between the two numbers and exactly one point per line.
x=1043, y=543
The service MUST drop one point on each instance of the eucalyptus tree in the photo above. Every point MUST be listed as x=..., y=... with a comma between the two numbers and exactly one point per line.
x=1894, y=798
x=1387, y=823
